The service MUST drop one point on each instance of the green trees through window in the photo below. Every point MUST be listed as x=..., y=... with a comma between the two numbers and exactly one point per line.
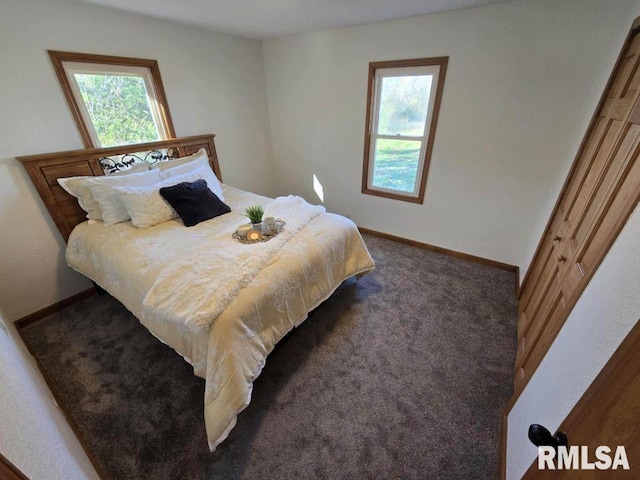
x=404, y=101
x=118, y=106
x=402, y=111
x=396, y=164
x=114, y=100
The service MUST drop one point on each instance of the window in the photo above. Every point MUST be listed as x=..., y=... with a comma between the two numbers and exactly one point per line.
x=402, y=112
x=114, y=100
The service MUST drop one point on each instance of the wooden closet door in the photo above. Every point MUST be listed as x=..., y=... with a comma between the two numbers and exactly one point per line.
x=606, y=414
x=598, y=197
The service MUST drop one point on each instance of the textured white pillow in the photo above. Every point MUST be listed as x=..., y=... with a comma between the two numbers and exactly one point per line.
x=103, y=190
x=167, y=164
x=212, y=181
x=147, y=207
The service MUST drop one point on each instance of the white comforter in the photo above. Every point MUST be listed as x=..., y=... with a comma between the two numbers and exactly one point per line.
x=231, y=353
x=182, y=291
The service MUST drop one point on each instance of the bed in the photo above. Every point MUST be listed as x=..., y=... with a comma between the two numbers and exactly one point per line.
x=229, y=350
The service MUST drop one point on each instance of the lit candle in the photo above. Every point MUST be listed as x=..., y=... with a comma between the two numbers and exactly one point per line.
x=253, y=235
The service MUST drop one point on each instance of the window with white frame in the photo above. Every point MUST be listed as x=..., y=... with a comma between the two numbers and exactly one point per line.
x=115, y=100
x=403, y=105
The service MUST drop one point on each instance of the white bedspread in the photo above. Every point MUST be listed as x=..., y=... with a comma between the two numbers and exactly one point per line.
x=231, y=353
x=182, y=291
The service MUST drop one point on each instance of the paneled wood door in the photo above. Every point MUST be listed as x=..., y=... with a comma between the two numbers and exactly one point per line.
x=607, y=414
x=600, y=193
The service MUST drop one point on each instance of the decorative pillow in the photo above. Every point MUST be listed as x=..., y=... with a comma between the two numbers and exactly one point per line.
x=194, y=202
x=103, y=190
x=203, y=161
x=147, y=207
x=167, y=164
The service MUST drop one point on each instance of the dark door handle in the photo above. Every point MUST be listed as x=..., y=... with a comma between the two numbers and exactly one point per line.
x=541, y=437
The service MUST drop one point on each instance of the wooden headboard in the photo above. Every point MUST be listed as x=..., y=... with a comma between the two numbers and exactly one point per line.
x=45, y=170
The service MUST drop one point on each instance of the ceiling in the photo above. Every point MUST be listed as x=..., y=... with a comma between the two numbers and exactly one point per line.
x=262, y=19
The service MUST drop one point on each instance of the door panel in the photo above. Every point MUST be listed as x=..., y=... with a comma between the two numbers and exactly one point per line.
x=544, y=288
x=594, y=167
x=624, y=70
x=594, y=148
x=544, y=331
x=598, y=196
x=607, y=414
x=614, y=217
x=548, y=247
x=527, y=364
x=606, y=182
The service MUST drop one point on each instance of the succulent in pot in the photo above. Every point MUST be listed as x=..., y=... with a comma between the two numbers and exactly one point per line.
x=255, y=214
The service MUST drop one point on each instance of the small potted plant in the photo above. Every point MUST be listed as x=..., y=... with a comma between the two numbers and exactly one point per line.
x=255, y=214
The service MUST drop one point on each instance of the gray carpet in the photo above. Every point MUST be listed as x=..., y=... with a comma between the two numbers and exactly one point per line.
x=400, y=375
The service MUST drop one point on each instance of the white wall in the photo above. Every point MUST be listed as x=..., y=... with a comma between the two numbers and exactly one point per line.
x=34, y=436
x=522, y=83
x=523, y=80
x=214, y=84
x=602, y=318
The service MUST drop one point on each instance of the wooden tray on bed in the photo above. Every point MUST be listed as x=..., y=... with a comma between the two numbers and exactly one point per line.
x=264, y=237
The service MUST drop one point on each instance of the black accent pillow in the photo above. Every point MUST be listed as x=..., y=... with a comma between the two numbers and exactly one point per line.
x=194, y=202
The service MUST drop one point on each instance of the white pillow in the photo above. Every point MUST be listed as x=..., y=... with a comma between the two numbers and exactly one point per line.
x=77, y=187
x=103, y=190
x=147, y=207
x=167, y=164
x=203, y=162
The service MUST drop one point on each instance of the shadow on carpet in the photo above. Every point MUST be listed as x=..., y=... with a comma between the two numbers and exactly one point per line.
x=402, y=374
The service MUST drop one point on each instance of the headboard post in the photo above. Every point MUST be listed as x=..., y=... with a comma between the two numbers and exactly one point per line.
x=45, y=169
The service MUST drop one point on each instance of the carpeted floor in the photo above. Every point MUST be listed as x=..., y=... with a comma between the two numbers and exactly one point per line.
x=401, y=375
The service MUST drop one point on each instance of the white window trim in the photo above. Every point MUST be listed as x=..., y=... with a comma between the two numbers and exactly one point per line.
x=381, y=73
x=71, y=68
